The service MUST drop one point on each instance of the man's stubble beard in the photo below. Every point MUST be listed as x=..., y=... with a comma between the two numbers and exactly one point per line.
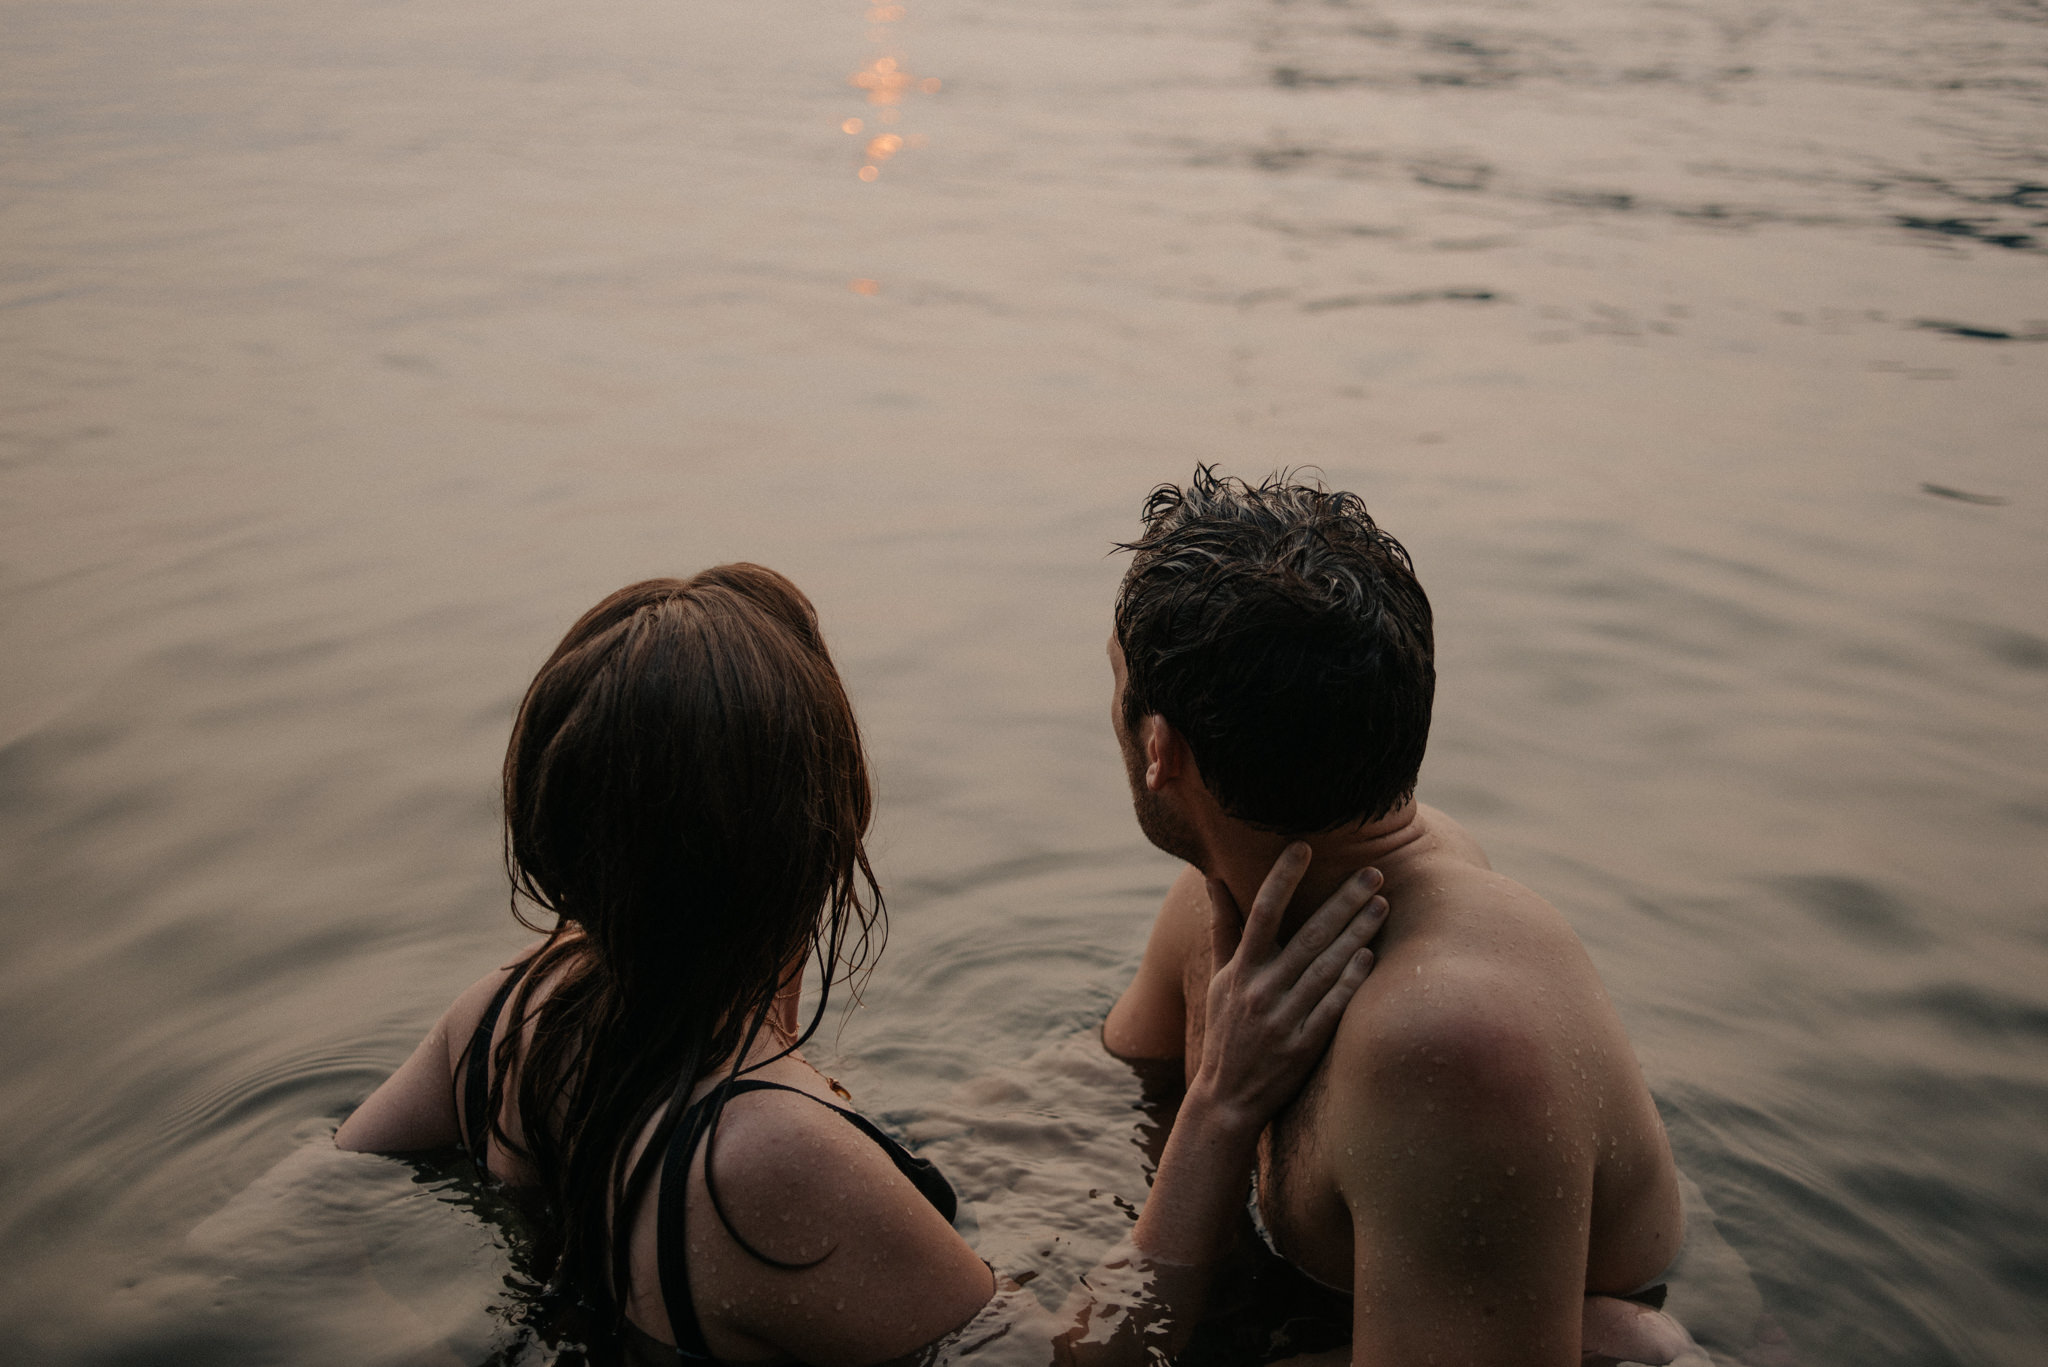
x=1162, y=825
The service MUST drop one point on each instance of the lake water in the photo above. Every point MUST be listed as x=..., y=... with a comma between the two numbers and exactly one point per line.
x=1696, y=350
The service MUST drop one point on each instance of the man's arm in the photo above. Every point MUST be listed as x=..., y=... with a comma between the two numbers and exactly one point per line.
x=1469, y=1181
x=1150, y=1020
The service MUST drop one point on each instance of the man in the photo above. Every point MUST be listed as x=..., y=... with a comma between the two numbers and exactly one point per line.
x=1477, y=1153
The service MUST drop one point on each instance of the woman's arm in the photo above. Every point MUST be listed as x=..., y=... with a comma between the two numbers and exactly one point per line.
x=414, y=1108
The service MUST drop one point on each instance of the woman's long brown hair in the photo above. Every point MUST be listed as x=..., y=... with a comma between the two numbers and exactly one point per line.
x=686, y=793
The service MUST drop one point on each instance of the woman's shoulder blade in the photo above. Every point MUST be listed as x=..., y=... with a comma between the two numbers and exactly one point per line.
x=870, y=1270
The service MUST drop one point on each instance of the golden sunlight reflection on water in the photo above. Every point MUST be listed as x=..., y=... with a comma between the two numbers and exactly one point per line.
x=886, y=82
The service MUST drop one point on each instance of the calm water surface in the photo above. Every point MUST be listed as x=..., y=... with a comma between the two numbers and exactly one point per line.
x=1697, y=351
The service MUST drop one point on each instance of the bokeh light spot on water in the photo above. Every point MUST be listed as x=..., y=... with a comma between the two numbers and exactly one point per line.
x=883, y=80
x=886, y=83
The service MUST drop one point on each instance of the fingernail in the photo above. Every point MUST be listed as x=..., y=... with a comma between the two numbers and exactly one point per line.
x=1377, y=906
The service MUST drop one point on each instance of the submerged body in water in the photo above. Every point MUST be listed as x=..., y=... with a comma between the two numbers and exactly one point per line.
x=1476, y=1160
x=685, y=800
x=1607, y=1143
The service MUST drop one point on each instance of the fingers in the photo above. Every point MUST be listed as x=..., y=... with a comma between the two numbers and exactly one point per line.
x=1323, y=929
x=1321, y=1021
x=1226, y=923
x=1318, y=998
x=1317, y=976
x=1272, y=1010
x=1262, y=927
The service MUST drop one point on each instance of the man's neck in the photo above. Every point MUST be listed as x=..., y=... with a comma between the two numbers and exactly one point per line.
x=1242, y=857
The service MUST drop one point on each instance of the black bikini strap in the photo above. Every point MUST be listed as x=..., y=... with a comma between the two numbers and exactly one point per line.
x=672, y=1251
x=472, y=1125
x=922, y=1173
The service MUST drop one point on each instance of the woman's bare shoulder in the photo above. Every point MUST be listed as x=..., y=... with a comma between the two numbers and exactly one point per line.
x=868, y=1269
x=794, y=1173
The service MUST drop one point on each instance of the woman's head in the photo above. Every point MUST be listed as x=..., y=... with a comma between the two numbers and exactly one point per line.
x=685, y=788
x=685, y=784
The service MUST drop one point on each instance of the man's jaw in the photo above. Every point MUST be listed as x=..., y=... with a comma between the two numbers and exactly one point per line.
x=1168, y=829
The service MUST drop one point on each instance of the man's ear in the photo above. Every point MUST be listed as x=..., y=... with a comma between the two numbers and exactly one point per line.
x=1166, y=754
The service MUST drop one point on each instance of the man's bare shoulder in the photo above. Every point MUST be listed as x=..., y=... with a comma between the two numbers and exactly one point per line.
x=1472, y=1017
x=1483, y=1060
x=1452, y=839
x=1185, y=912
x=1150, y=1020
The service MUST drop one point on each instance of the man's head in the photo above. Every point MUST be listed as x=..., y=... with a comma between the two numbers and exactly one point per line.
x=1283, y=636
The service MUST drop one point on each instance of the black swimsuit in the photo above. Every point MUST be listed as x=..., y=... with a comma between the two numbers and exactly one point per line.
x=671, y=1255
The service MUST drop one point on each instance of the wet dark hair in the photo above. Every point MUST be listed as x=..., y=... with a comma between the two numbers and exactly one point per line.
x=686, y=793
x=1284, y=636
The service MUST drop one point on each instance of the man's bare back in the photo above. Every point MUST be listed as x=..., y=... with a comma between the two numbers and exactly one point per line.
x=1478, y=1151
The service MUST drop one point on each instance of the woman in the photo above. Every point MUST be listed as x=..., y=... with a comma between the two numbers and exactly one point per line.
x=685, y=795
